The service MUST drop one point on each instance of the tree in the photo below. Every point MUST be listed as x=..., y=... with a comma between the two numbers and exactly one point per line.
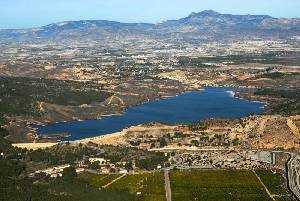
x=41, y=176
x=113, y=170
x=128, y=166
x=70, y=158
x=195, y=143
x=152, y=145
x=69, y=173
x=95, y=165
x=235, y=141
x=163, y=142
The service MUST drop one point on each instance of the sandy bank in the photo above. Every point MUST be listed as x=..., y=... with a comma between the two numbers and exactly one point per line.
x=119, y=138
x=111, y=139
x=34, y=146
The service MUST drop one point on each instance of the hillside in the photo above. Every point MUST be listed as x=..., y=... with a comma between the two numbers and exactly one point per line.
x=197, y=27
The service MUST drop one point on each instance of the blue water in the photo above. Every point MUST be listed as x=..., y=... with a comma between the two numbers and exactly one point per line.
x=185, y=108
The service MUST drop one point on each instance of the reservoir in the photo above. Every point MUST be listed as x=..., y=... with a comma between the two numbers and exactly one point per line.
x=185, y=108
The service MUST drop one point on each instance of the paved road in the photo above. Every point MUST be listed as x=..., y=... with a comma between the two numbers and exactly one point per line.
x=167, y=185
x=293, y=176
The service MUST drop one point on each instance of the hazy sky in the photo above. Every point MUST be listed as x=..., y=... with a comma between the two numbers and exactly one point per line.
x=31, y=13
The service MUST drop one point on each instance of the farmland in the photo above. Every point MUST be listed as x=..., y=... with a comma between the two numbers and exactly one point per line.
x=216, y=185
x=147, y=186
x=207, y=185
x=274, y=184
x=102, y=179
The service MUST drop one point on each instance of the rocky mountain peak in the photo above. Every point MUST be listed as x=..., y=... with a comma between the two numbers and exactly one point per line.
x=204, y=13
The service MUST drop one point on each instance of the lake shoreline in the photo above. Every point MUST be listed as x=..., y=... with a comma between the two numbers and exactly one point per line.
x=163, y=110
x=120, y=113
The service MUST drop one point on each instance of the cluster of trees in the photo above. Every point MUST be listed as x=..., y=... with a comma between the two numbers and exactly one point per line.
x=234, y=59
x=17, y=186
x=60, y=154
x=197, y=126
x=291, y=106
x=143, y=159
x=20, y=96
x=151, y=163
x=291, y=94
x=272, y=75
x=4, y=144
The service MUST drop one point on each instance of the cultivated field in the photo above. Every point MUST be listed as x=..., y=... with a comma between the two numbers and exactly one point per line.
x=221, y=185
x=146, y=187
x=101, y=180
x=204, y=185
x=274, y=183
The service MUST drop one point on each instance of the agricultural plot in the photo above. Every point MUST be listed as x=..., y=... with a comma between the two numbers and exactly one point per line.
x=101, y=180
x=221, y=185
x=283, y=198
x=206, y=185
x=147, y=187
x=274, y=184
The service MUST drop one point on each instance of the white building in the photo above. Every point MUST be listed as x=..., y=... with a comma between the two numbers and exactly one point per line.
x=123, y=171
x=54, y=171
x=100, y=160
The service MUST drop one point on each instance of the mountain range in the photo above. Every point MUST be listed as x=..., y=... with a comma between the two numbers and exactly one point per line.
x=197, y=27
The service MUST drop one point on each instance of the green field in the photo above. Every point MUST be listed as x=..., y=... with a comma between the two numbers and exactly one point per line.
x=274, y=184
x=146, y=187
x=234, y=59
x=150, y=185
x=206, y=185
x=227, y=185
x=272, y=181
x=283, y=198
x=101, y=180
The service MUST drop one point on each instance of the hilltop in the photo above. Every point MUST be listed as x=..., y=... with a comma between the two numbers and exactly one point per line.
x=197, y=27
